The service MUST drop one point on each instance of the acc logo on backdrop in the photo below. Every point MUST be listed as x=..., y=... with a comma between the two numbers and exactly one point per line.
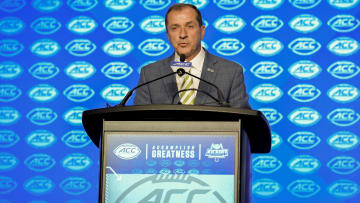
x=304, y=116
x=229, y=4
x=343, y=117
x=228, y=46
x=198, y=3
x=267, y=5
x=11, y=25
x=80, y=5
x=12, y=6
x=343, y=93
x=266, y=164
x=304, y=46
x=47, y=6
x=117, y=47
x=229, y=24
x=45, y=25
x=276, y=140
x=7, y=161
x=8, y=138
x=44, y=70
x=127, y=151
x=9, y=93
x=304, y=4
x=155, y=5
x=304, y=164
x=78, y=92
x=81, y=25
x=116, y=5
x=304, y=140
x=343, y=69
x=39, y=185
x=116, y=70
x=305, y=23
x=80, y=47
x=41, y=139
x=10, y=47
x=76, y=162
x=118, y=25
x=80, y=70
x=114, y=92
x=8, y=115
x=8, y=184
x=153, y=47
x=75, y=185
x=272, y=115
x=266, y=46
x=266, y=187
x=267, y=23
x=154, y=24
x=266, y=70
x=76, y=139
x=42, y=116
x=343, y=23
x=343, y=4
x=343, y=165
x=304, y=92
x=343, y=140
x=39, y=162
x=43, y=93
x=305, y=69
x=303, y=188
x=343, y=46
x=73, y=116
x=45, y=48
x=266, y=93
x=343, y=188
x=10, y=70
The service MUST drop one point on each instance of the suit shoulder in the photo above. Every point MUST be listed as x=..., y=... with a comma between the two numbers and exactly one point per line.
x=155, y=65
x=225, y=62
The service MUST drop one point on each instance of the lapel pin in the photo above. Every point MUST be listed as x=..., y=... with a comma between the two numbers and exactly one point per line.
x=210, y=70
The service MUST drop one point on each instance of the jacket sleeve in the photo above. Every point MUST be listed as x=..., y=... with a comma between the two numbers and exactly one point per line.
x=142, y=96
x=238, y=96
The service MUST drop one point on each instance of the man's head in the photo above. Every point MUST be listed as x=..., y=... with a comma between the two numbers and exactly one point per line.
x=184, y=29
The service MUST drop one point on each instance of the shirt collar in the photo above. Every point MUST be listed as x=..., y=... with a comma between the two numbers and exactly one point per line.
x=195, y=62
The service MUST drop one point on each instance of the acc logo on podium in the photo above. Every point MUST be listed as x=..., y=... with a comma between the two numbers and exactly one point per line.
x=39, y=185
x=79, y=5
x=343, y=23
x=76, y=139
x=118, y=25
x=9, y=93
x=41, y=139
x=81, y=25
x=80, y=70
x=116, y=70
x=8, y=138
x=10, y=70
x=8, y=184
x=266, y=187
x=303, y=188
x=343, y=140
x=266, y=93
x=343, y=69
x=304, y=140
x=343, y=117
x=9, y=115
x=41, y=116
x=304, y=116
x=267, y=23
x=343, y=165
x=45, y=25
x=39, y=162
x=11, y=25
x=44, y=70
x=127, y=151
x=229, y=24
x=343, y=188
x=75, y=185
x=272, y=115
x=305, y=69
x=266, y=164
x=228, y=46
x=10, y=47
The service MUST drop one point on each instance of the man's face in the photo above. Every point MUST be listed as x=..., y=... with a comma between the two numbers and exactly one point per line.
x=184, y=32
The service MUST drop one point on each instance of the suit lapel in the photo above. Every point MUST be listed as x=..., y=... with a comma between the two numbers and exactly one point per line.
x=169, y=82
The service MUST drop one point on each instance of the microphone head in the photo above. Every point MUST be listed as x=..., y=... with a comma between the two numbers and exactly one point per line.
x=182, y=57
x=180, y=72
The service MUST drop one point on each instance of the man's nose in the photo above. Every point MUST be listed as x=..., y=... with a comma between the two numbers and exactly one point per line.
x=183, y=33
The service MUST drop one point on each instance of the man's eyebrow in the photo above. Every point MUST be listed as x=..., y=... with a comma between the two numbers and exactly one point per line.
x=187, y=23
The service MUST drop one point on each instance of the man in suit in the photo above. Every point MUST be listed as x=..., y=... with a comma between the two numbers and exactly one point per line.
x=185, y=31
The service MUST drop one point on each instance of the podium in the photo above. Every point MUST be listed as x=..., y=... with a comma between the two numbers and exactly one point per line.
x=176, y=153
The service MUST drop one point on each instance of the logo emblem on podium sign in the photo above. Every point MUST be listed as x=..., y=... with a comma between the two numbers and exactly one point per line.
x=127, y=151
x=216, y=152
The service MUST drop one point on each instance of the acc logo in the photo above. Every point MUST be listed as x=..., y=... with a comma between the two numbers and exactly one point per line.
x=8, y=115
x=272, y=115
x=80, y=47
x=343, y=46
x=9, y=92
x=266, y=70
x=44, y=70
x=116, y=70
x=229, y=24
x=80, y=70
x=267, y=23
x=303, y=188
x=343, y=140
x=114, y=92
x=47, y=6
x=343, y=165
x=276, y=140
x=155, y=5
x=80, y=5
x=10, y=70
x=117, y=47
x=11, y=25
x=343, y=23
x=76, y=139
x=127, y=151
x=267, y=5
x=73, y=116
x=343, y=188
x=198, y=3
x=266, y=164
x=304, y=140
x=38, y=185
x=343, y=93
x=266, y=46
x=305, y=23
x=304, y=116
x=304, y=93
x=228, y=46
x=45, y=25
x=42, y=116
x=343, y=117
x=342, y=4
x=78, y=92
x=12, y=6
x=43, y=93
x=229, y=4
x=266, y=187
x=76, y=162
x=41, y=139
x=118, y=25
x=7, y=161
x=343, y=69
x=304, y=69
x=10, y=47
x=7, y=185
x=154, y=24
x=266, y=93
x=39, y=162
x=8, y=139
x=301, y=4
x=304, y=46
x=75, y=185
x=81, y=25
x=154, y=47
x=45, y=47
x=304, y=164
x=117, y=5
